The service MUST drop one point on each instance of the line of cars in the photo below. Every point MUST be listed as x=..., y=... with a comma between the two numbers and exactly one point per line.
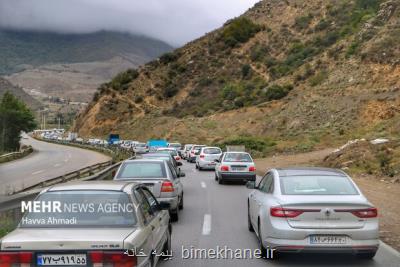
x=295, y=210
x=125, y=222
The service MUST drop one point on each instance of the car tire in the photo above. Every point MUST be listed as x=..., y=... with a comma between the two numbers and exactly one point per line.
x=216, y=177
x=263, y=250
x=200, y=168
x=197, y=167
x=167, y=246
x=249, y=225
x=181, y=203
x=220, y=181
x=175, y=215
x=366, y=256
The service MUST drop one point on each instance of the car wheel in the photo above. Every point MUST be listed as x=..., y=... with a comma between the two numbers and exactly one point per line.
x=200, y=168
x=174, y=215
x=263, y=250
x=167, y=246
x=366, y=256
x=181, y=203
x=249, y=225
x=197, y=166
x=220, y=181
x=216, y=177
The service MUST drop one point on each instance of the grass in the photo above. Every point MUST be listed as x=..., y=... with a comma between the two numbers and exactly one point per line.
x=238, y=31
x=256, y=146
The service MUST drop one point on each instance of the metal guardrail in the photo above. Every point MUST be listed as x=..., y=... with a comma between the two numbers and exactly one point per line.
x=14, y=201
x=15, y=155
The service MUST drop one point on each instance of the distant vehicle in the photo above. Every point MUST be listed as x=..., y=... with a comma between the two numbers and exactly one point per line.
x=140, y=148
x=312, y=210
x=113, y=139
x=171, y=151
x=185, y=151
x=177, y=146
x=98, y=238
x=79, y=140
x=235, y=166
x=160, y=178
x=154, y=144
x=163, y=155
x=194, y=151
x=206, y=158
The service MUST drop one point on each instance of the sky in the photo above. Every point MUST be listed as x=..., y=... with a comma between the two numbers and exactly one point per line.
x=173, y=21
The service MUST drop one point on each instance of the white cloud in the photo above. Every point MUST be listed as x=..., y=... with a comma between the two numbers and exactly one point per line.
x=174, y=21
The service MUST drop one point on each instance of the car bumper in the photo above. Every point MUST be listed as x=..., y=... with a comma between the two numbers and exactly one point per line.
x=304, y=246
x=207, y=164
x=238, y=176
x=173, y=202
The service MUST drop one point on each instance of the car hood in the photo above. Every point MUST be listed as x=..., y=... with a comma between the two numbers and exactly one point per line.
x=64, y=239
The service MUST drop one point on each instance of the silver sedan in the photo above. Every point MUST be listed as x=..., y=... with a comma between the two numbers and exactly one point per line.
x=311, y=209
x=90, y=224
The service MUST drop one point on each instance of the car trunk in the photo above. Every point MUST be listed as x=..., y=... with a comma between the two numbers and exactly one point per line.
x=154, y=185
x=320, y=212
x=239, y=167
x=66, y=239
x=211, y=157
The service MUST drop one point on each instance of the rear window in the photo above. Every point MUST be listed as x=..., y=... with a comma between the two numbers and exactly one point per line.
x=237, y=157
x=141, y=145
x=172, y=152
x=212, y=151
x=82, y=208
x=142, y=170
x=317, y=185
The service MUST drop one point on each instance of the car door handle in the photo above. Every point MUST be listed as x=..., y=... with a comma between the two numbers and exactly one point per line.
x=160, y=219
x=153, y=227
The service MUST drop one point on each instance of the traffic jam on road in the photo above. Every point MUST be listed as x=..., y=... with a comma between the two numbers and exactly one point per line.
x=133, y=220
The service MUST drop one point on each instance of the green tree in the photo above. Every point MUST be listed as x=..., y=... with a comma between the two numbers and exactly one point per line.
x=15, y=117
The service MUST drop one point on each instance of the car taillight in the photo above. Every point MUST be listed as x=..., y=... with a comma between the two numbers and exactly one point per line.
x=167, y=187
x=252, y=169
x=285, y=213
x=202, y=156
x=177, y=158
x=12, y=259
x=362, y=213
x=224, y=168
x=112, y=258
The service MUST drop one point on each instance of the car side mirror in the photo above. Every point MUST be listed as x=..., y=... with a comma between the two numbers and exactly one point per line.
x=179, y=163
x=182, y=174
x=216, y=160
x=251, y=185
x=164, y=206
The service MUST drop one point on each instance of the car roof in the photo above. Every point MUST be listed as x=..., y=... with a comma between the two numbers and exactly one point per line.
x=92, y=185
x=142, y=160
x=157, y=155
x=310, y=171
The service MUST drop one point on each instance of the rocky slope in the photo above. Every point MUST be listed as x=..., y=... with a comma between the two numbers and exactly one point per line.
x=19, y=93
x=295, y=74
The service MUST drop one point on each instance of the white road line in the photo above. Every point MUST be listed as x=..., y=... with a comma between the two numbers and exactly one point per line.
x=203, y=184
x=207, y=224
x=33, y=173
x=58, y=164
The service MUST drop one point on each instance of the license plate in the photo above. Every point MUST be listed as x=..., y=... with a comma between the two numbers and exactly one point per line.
x=61, y=259
x=328, y=239
x=238, y=169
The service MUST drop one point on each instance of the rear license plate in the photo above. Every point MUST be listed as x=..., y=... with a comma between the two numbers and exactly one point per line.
x=328, y=239
x=61, y=259
x=238, y=168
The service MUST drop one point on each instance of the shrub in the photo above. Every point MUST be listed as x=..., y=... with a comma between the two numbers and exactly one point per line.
x=252, y=144
x=168, y=57
x=239, y=30
x=276, y=92
x=122, y=80
x=322, y=25
x=302, y=23
x=246, y=71
x=138, y=99
x=170, y=91
x=318, y=78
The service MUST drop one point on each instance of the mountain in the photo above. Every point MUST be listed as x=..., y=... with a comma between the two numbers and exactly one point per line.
x=19, y=93
x=285, y=76
x=23, y=49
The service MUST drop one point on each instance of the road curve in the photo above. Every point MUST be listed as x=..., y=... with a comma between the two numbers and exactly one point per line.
x=216, y=215
x=46, y=162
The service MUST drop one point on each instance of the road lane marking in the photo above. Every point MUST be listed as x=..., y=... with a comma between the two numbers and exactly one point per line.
x=33, y=173
x=57, y=164
x=203, y=184
x=207, y=224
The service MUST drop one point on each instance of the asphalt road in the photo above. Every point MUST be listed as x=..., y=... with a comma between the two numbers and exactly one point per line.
x=216, y=215
x=48, y=161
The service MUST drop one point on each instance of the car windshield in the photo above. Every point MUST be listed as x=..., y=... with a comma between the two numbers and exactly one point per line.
x=175, y=145
x=142, y=170
x=237, y=157
x=212, y=151
x=317, y=185
x=81, y=208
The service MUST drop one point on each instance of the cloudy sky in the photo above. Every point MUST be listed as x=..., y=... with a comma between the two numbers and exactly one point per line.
x=173, y=21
